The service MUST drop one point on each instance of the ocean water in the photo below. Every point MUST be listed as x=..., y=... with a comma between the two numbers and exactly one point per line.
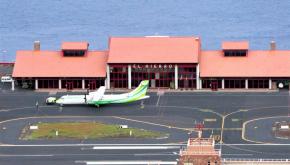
x=54, y=21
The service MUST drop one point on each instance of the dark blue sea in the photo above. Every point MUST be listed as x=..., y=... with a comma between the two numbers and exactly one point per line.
x=54, y=21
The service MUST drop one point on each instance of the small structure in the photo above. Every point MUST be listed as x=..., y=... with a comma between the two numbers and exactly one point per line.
x=200, y=151
x=281, y=130
x=33, y=127
x=123, y=126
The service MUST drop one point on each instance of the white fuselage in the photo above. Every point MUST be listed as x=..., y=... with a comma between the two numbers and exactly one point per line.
x=84, y=99
x=72, y=99
x=98, y=97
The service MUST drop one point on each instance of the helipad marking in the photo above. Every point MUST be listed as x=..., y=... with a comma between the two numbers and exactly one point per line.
x=249, y=121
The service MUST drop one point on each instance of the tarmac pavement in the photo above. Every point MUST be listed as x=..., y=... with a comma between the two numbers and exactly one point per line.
x=223, y=113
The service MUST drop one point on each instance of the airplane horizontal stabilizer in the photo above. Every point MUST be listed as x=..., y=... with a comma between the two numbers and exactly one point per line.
x=144, y=97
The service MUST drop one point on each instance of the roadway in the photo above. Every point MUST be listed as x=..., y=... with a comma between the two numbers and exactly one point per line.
x=223, y=114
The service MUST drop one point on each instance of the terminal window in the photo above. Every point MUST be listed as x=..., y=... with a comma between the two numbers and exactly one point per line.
x=73, y=53
x=235, y=53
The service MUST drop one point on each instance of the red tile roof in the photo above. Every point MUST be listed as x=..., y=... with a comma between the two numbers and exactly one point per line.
x=153, y=50
x=267, y=63
x=74, y=46
x=235, y=45
x=53, y=64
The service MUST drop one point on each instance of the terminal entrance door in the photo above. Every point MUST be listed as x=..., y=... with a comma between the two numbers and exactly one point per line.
x=185, y=83
x=214, y=85
x=159, y=75
x=152, y=83
x=69, y=85
x=92, y=85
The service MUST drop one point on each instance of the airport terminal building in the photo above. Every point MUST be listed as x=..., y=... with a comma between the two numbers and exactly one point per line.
x=168, y=62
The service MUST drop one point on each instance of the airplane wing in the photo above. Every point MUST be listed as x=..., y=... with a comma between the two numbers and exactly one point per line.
x=97, y=95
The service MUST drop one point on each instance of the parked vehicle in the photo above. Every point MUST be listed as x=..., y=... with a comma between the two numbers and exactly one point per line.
x=6, y=79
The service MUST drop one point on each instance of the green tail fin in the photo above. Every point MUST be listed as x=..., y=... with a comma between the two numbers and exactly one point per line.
x=141, y=90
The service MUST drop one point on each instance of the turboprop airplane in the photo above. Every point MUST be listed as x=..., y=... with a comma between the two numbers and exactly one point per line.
x=98, y=97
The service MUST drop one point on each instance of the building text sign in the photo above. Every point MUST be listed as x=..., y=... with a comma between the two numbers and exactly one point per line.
x=151, y=67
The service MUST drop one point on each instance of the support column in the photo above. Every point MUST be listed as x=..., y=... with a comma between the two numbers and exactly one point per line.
x=83, y=83
x=108, y=77
x=270, y=83
x=129, y=77
x=59, y=83
x=176, y=77
x=12, y=85
x=197, y=77
x=200, y=83
x=223, y=83
x=36, y=84
x=246, y=84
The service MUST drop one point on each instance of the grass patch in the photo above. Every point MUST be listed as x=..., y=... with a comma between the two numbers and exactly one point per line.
x=86, y=130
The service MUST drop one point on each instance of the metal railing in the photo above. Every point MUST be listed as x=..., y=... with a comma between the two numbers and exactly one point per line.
x=254, y=160
x=184, y=151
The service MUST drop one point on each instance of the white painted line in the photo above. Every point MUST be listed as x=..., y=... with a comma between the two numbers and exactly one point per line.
x=256, y=144
x=126, y=162
x=134, y=147
x=157, y=103
x=81, y=144
x=24, y=155
x=239, y=154
x=210, y=119
x=157, y=154
x=12, y=109
x=146, y=122
x=235, y=120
